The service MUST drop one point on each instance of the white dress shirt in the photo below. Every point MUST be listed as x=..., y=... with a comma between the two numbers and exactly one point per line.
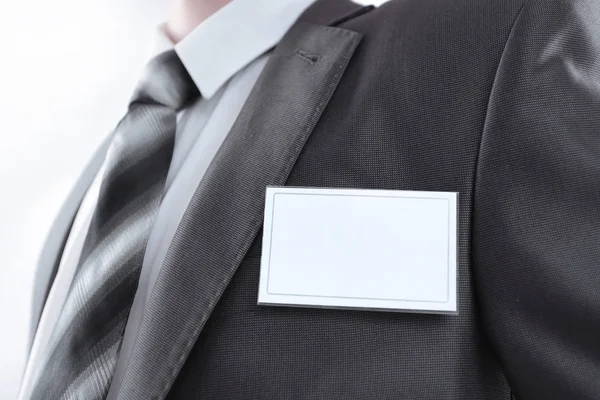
x=224, y=56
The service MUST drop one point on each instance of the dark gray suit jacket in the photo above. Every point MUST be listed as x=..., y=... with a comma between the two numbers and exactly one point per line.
x=498, y=100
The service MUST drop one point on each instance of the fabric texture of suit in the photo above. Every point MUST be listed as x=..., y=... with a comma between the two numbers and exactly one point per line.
x=496, y=100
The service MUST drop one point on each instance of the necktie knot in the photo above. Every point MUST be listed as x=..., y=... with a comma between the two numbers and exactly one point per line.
x=165, y=81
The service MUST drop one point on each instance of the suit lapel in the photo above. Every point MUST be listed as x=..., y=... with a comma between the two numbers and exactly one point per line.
x=56, y=239
x=226, y=211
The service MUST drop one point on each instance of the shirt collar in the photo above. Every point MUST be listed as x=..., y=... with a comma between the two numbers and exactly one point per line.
x=231, y=38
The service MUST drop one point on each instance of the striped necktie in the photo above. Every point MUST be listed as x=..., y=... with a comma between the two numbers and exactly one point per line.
x=83, y=348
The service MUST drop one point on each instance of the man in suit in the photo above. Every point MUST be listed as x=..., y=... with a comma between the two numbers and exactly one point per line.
x=149, y=279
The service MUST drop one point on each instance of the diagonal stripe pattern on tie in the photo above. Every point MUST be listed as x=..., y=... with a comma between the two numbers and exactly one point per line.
x=83, y=348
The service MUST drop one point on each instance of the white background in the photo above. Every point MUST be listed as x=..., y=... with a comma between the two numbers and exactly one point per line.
x=67, y=68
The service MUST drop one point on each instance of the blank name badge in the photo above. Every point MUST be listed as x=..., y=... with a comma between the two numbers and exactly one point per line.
x=359, y=249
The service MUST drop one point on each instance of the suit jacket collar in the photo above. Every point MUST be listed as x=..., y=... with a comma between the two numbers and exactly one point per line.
x=333, y=12
x=226, y=211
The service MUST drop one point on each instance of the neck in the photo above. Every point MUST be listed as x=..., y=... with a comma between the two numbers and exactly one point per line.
x=186, y=15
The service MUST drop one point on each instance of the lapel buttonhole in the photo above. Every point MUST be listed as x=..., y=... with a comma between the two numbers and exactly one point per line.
x=307, y=56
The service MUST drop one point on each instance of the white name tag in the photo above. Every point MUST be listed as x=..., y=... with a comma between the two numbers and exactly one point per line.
x=352, y=248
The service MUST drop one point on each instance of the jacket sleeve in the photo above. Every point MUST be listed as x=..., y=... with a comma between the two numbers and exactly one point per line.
x=536, y=219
